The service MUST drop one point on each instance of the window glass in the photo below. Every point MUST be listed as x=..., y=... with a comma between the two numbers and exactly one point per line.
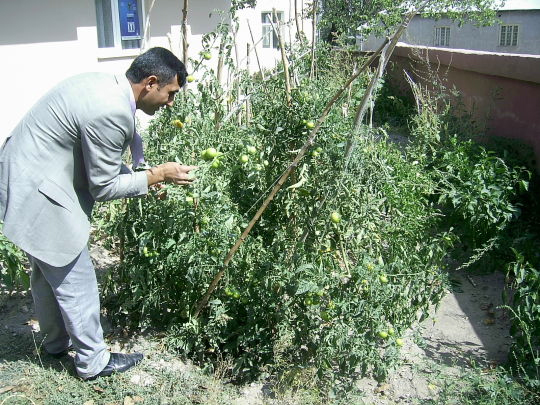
x=119, y=23
x=270, y=39
x=442, y=36
x=508, y=35
x=104, y=24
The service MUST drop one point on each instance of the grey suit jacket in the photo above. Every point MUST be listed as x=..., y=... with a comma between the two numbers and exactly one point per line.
x=65, y=154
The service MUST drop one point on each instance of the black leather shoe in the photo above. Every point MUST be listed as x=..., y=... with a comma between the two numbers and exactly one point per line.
x=119, y=363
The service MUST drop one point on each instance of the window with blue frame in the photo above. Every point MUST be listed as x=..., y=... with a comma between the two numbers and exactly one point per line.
x=119, y=23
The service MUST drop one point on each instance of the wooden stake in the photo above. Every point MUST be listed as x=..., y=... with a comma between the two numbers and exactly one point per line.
x=385, y=54
x=313, y=37
x=283, y=57
x=219, y=73
x=298, y=31
x=185, y=44
x=255, y=49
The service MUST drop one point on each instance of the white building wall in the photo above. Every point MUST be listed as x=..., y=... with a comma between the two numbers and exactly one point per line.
x=44, y=41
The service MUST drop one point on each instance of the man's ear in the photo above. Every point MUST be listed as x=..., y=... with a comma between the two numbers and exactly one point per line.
x=151, y=81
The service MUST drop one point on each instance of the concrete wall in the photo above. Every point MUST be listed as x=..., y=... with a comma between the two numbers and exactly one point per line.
x=502, y=90
x=421, y=31
x=45, y=41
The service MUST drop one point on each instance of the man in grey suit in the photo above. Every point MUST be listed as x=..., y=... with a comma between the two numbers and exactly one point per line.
x=65, y=154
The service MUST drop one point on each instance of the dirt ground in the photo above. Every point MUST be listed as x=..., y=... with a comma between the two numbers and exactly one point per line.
x=467, y=329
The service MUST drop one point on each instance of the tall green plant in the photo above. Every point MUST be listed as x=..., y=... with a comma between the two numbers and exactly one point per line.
x=322, y=289
x=12, y=270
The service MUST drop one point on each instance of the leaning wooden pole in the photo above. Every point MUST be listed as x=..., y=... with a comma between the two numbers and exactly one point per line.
x=385, y=54
x=313, y=39
x=298, y=31
x=185, y=44
x=310, y=141
x=219, y=77
x=255, y=49
x=283, y=57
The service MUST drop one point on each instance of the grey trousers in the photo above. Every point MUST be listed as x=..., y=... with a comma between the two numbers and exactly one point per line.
x=66, y=301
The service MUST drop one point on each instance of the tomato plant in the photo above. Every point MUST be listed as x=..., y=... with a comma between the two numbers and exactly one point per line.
x=306, y=289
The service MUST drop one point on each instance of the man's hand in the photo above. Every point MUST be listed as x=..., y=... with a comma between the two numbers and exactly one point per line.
x=171, y=172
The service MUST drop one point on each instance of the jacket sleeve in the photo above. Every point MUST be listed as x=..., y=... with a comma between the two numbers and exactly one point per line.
x=102, y=140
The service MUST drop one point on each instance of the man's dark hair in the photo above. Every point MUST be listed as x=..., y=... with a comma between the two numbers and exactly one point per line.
x=159, y=62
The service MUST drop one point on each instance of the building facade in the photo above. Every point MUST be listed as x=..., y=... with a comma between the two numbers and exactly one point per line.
x=518, y=31
x=45, y=41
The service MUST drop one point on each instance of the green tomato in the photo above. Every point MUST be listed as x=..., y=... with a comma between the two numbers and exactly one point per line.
x=399, y=342
x=215, y=164
x=189, y=200
x=244, y=159
x=310, y=125
x=325, y=316
x=251, y=150
x=319, y=149
x=207, y=55
x=258, y=167
x=382, y=334
x=314, y=153
x=211, y=153
x=266, y=162
x=391, y=332
x=190, y=79
x=335, y=217
x=383, y=279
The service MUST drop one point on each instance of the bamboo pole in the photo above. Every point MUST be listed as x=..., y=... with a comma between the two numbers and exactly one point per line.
x=255, y=50
x=298, y=31
x=385, y=54
x=202, y=303
x=219, y=74
x=313, y=37
x=185, y=44
x=283, y=57
x=248, y=103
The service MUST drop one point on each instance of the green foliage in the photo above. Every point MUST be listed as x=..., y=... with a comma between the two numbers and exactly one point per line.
x=307, y=297
x=478, y=387
x=353, y=17
x=475, y=189
x=12, y=271
x=304, y=298
x=525, y=310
